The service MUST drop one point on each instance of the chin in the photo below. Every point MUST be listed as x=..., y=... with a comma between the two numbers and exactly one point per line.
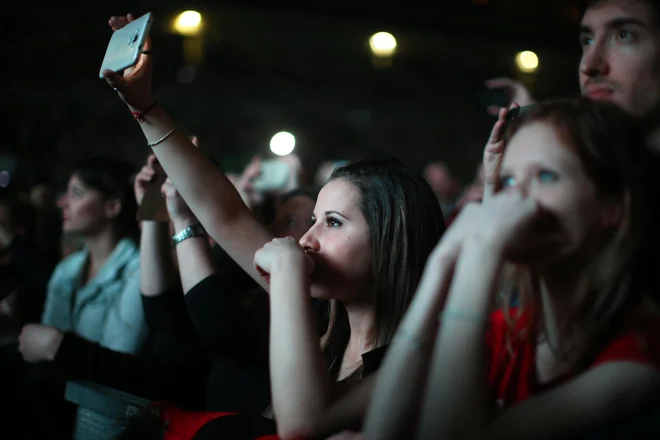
x=70, y=230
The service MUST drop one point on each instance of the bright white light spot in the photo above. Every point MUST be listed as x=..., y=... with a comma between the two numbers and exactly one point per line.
x=282, y=143
x=382, y=44
x=188, y=23
x=527, y=61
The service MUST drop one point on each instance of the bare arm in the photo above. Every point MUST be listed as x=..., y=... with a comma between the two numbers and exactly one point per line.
x=157, y=271
x=207, y=191
x=299, y=380
x=193, y=253
x=453, y=407
x=194, y=256
x=493, y=154
x=457, y=402
x=403, y=376
x=209, y=194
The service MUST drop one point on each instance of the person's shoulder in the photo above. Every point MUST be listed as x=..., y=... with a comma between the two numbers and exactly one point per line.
x=129, y=248
x=70, y=266
x=638, y=342
x=130, y=256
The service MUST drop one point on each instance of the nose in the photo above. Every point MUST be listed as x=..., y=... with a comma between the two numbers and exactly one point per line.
x=61, y=201
x=309, y=241
x=594, y=61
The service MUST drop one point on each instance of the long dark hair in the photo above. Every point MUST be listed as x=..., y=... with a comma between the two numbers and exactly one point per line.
x=622, y=272
x=114, y=180
x=405, y=223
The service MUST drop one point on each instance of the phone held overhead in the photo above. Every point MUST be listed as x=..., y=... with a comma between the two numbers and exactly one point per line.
x=126, y=44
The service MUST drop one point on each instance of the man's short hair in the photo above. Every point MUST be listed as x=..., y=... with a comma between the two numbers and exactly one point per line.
x=655, y=5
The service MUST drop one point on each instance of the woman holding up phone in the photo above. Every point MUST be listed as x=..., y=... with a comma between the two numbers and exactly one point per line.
x=365, y=251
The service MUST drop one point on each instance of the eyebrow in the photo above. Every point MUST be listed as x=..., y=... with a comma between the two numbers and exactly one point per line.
x=616, y=23
x=336, y=213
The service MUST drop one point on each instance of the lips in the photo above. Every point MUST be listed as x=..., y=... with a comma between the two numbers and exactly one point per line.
x=599, y=93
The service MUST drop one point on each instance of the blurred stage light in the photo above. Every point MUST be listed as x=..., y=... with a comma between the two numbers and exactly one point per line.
x=188, y=23
x=382, y=44
x=282, y=143
x=527, y=61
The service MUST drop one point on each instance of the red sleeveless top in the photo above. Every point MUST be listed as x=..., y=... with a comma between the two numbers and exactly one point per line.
x=512, y=373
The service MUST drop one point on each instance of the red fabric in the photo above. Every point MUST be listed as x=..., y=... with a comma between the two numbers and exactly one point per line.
x=183, y=425
x=512, y=375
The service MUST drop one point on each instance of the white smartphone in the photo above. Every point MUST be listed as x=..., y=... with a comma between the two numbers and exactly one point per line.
x=274, y=175
x=126, y=45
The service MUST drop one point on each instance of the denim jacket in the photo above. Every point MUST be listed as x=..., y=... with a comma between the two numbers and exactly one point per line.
x=108, y=309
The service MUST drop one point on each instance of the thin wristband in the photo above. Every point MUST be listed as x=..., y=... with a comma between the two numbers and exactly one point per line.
x=139, y=115
x=463, y=316
x=168, y=134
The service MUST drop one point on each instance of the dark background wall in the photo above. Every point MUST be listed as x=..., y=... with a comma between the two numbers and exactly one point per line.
x=304, y=67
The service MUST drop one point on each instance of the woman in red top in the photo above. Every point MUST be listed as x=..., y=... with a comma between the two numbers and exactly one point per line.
x=574, y=214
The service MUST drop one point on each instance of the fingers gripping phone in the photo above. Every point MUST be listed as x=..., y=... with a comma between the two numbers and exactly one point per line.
x=517, y=112
x=125, y=46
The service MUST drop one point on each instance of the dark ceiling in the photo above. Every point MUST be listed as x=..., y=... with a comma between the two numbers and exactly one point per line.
x=301, y=66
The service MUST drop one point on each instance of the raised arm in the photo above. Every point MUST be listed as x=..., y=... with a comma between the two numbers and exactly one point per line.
x=157, y=271
x=299, y=380
x=402, y=377
x=514, y=90
x=194, y=252
x=207, y=191
x=493, y=154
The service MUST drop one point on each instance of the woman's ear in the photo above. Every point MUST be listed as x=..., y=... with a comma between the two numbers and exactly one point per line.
x=112, y=208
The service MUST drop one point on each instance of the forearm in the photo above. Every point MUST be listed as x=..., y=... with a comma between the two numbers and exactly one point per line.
x=403, y=376
x=194, y=256
x=142, y=375
x=457, y=401
x=206, y=190
x=299, y=379
x=196, y=178
x=157, y=271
